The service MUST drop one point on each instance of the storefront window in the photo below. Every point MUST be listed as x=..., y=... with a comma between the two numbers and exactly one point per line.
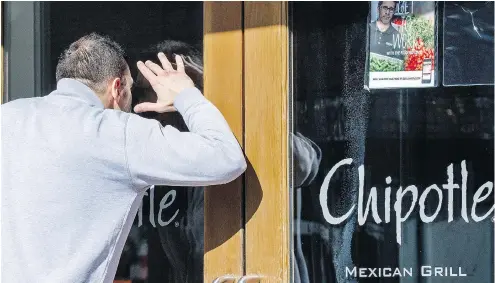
x=400, y=137
x=166, y=242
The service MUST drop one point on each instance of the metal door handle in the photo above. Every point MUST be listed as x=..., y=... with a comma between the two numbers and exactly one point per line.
x=250, y=279
x=225, y=279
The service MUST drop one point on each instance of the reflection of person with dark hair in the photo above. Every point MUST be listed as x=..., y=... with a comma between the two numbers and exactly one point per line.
x=383, y=36
x=183, y=245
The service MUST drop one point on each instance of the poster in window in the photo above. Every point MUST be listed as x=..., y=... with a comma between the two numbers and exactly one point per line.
x=402, y=44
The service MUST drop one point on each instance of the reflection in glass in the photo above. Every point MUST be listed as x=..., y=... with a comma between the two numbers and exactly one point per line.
x=306, y=162
x=181, y=233
x=468, y=43
x=401, y=137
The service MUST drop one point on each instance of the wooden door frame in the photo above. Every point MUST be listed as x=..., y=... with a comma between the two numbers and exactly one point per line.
x=223, y=86
x=266, y=53
x=247, y=222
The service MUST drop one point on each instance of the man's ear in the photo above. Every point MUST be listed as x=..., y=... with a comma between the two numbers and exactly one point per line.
x=116, y=88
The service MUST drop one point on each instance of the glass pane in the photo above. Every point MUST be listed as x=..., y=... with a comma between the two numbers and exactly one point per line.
x=165, y=243
x=400, y=137
x=468, y=24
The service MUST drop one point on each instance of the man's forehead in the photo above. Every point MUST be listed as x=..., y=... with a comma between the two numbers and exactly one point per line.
x=389, y=3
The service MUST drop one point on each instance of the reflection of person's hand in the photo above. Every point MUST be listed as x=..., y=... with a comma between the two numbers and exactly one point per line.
x=166, y=82
x=307, y=159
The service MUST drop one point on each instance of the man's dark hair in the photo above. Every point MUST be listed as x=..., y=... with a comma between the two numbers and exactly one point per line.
x=174, y=47
x=94, y=60
x=381, y=2
x=193, y=67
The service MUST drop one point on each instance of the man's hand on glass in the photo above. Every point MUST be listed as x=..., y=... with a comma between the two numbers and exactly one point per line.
x=166, y=82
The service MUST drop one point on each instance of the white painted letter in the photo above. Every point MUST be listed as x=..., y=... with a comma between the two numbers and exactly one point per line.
x=398, y=209
x=373, y=199
x=450, y=186
x=164, y=204
x=351, y=273
x=324, y=195
x=152, y=210
x=464, y=174
x=388, y=191
x=477, y=199
x=422, y=215
x=387, y=272
x=426, y=271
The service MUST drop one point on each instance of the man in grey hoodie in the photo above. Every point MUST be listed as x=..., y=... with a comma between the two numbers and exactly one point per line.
x=75, y=163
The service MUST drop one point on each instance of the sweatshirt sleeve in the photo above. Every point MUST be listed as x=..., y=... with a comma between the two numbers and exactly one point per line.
x=207, y=155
